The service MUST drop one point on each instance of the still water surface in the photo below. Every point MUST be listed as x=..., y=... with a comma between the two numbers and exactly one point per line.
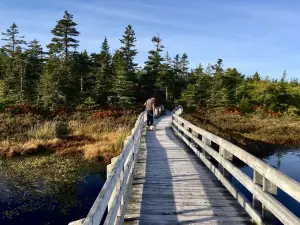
x=49, y=197
x=288, y=162
x=60, y=203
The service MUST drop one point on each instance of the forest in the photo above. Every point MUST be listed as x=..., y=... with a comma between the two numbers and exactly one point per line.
x=60, y=79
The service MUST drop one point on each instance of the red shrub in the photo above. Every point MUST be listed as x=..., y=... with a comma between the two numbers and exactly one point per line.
x=112, y=113
x=21, y=109
x=232, y=112
x=274, y=114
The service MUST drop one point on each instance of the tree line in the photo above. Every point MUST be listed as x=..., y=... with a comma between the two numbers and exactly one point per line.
x=62, y=77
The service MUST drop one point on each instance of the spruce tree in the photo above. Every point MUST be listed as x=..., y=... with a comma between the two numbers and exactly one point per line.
x=15, y=65
x=184, y=66
x=176, y=65
x=12, y=39
x=165, y=81
x=202, y=83
x=168, y=59
x=83, y=69
x=103, y=77
x=256, y=77
x=64, y=37
x=123, y=96
x=152, y=65
x=50, y=91
x=34, y=68
x=128, y=52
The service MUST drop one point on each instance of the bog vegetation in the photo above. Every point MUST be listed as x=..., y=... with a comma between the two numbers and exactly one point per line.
x=47, y=95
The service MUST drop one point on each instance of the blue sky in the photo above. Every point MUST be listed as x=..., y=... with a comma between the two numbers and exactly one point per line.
x=252, y=35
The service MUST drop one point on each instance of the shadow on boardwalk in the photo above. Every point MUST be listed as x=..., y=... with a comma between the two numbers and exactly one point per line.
x=172, y=186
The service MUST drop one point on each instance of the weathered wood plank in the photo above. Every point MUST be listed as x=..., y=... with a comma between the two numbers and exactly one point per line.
x=184, y=219
x=172, y=186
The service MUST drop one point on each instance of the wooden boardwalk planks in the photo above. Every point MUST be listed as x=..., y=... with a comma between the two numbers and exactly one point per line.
x=171, y=186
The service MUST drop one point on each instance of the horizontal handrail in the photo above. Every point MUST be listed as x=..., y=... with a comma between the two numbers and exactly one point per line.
x=264, y=174
x=113, y=195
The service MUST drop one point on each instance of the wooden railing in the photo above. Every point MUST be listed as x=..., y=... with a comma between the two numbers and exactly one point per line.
x=113, y=195
x=266, y=179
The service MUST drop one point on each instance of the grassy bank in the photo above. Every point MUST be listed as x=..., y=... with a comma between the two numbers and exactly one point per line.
x=254, y=132
x=94, y=136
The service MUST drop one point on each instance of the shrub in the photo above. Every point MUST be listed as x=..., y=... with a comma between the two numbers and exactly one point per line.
x=292, y=111
x=61, y=128
x=244, y=105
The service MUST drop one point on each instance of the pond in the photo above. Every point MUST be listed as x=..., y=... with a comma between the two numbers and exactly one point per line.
x=288, y=162
x=48, y=190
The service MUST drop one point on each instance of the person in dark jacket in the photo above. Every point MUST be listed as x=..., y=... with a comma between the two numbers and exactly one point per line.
x=150, y=109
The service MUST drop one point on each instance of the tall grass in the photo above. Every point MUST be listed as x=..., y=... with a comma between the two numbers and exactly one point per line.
x=95, y=139
x=248, y=129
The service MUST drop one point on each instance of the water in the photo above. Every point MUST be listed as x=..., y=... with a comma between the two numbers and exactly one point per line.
x=41, y=201
x=286, y=161
x=46, y=198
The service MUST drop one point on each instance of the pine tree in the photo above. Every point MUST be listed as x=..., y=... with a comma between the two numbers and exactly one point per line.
x=283, y=78
x=104, y=78
x=256, y=77
x=123, y=88
x=50, y=91
x=189, y=97
x=83, y=69
x=63, y=40
x=165, y=81
x=35, y=61
x=12, y=39
x=152, y=65
x=128, y=51
x=176, y=65
x=202, y=83
x=15, y=65
x=184, y=66
x=168, y=60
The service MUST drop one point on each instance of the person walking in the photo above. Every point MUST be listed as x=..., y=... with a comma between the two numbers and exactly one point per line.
x=150, y=109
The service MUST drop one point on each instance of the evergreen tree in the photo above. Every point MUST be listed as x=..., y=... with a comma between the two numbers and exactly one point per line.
x=81, y=74
x=283, y=78
x=208, y=70
x=176, y=65
x=256, y=77
x=168, y=60
x=184, y=66
x=218, y=67
x=35, y=61
x=64, y=37
x=128, y=51
x=165, y=81
x=104, y=78
x=12, y=39
x=152, y=65
x=50, y=91
x=13, y=72
x=123, y=88
x=202, y=82
x=189, y=97
x=224, y=84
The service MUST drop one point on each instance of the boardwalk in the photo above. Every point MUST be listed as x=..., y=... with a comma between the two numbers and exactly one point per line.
x=172, y=186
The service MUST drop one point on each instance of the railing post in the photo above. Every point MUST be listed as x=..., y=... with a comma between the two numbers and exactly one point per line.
x=109, y=169
x=207, y=142
x=267, y=187
x=226, y=155
x=272, y=189
x=257, y=179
